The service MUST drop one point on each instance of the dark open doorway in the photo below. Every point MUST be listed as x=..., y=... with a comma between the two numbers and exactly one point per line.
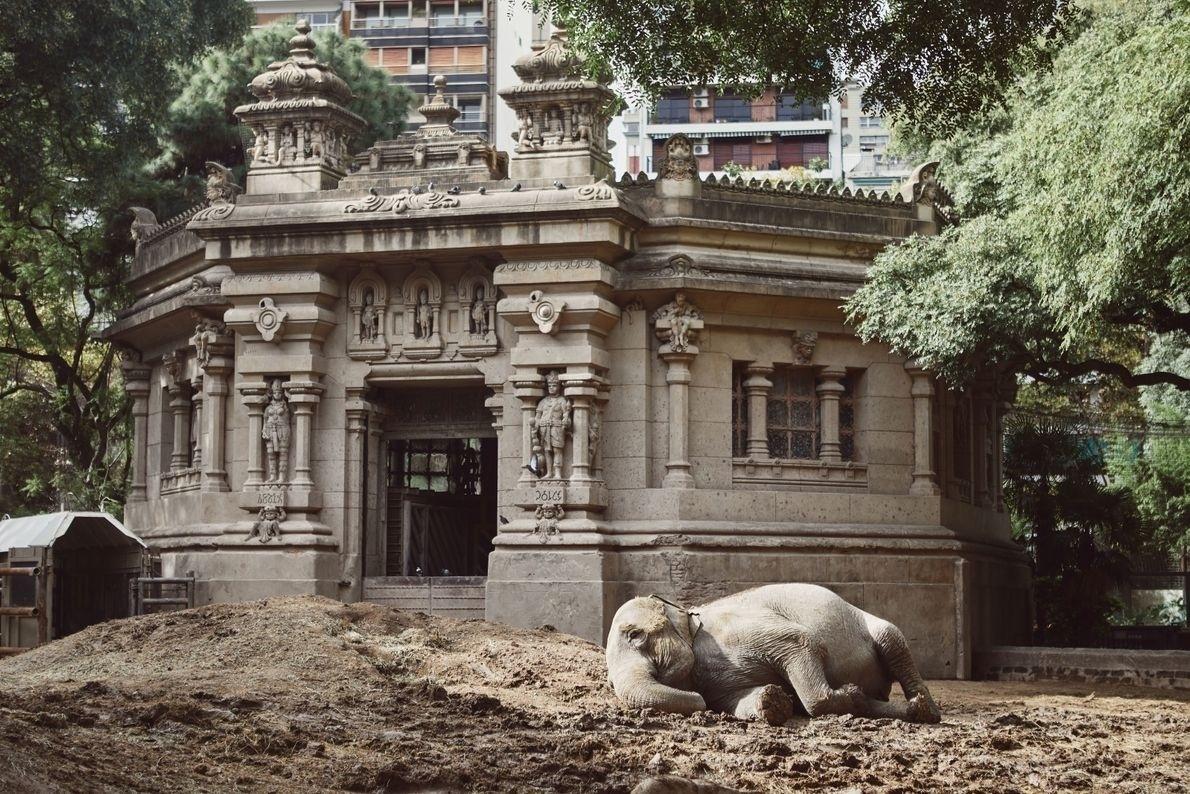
x=441, y=506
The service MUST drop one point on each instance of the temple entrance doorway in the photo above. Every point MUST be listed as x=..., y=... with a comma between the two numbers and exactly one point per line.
x=441, y=506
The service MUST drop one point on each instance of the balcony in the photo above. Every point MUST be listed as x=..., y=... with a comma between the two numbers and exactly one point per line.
x=386, y=23
x=465, y=21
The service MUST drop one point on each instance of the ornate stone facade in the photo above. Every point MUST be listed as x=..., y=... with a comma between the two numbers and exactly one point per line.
x=580, y=389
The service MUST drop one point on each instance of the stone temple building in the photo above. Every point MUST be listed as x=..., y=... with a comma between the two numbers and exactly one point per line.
x=514, y=380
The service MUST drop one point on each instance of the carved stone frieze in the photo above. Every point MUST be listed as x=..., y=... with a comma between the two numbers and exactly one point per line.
x=679, y=162
x=545, y=521
x=268, y=523
x=221, y=187
x=402, y=202
x=216, y=212
x=600, y=191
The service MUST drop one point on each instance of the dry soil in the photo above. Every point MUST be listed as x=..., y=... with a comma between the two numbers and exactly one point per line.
x=306, y=694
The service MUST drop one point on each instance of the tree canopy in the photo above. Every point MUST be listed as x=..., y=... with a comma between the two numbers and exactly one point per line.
x=931, y=61
x=91, y=93
x=201, y=126
x=1072, y=258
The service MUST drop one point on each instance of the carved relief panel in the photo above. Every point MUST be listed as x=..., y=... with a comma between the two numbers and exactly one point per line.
x=477, y=308
x=422, y=319
x=367, y=302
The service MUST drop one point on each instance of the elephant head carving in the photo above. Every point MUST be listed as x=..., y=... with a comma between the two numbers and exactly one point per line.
x=650, y=656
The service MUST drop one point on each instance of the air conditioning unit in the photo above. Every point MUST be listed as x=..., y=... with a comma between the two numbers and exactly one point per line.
x=701, y=93
x=764, y=138
x=702, y=102
x=701, y=149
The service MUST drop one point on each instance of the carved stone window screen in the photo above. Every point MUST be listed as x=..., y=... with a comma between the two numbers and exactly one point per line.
x=739, y=411
x=847, y=420
x=961, y=432
x=792, y=414
x=436, y=465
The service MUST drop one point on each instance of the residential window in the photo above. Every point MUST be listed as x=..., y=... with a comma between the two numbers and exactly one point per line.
x=867, y=122
x=673, y=109
x=732, y=108
x=471, y=13
x=470, y=108
x=417, y=56
x=873, y=140
x=632, y=129
x=741, y=154
x=789, y=109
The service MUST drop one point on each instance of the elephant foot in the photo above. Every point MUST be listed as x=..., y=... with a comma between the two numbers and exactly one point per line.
x=922, y=708
x=774, y=706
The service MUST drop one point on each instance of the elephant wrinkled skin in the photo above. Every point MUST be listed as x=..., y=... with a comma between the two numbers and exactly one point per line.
x=746, y=654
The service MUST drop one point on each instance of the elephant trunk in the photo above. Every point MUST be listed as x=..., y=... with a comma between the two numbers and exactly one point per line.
x=637, y=687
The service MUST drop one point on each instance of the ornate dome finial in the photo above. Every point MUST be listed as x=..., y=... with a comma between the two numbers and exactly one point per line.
x=302, y=45
x=439, y=113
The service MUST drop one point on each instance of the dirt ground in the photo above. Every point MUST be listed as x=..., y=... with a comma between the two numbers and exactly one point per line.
x=306, y=694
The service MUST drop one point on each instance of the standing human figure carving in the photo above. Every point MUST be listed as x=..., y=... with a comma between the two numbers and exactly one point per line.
x=369, y=318
x=276, y=433
x=424, y=315
x=550, y=425
x=479, y=314
x=680, y=317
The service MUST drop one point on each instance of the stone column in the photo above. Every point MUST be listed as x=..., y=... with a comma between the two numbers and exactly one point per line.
x=830, y=389
x=303, y=396
x=196, y=426
x=218, y=371
x=136, y=383
x=925, y=478
x=255, y=396
x=677, y=375
x=528, y=390
x=354, y=482
x=179, y=406
x=582, y=398
x=758, y=387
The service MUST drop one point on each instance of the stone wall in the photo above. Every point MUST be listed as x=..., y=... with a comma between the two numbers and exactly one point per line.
x=1162, y=669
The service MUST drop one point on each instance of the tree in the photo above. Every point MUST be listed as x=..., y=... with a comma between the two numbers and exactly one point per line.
x=931, y=61
x=1074, y=252
x=201, y=125
x=82, y=85
x=1076, y=528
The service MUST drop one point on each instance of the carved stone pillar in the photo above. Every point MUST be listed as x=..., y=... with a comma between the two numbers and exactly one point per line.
x=677, y=375
x=355, y=498
x=218, y=368
x=196, y=426
x=179, y=406
x=758, y=387
x=255, y=396
x=528, y=390
x=582, y=396
x=830, y=389
x=303, y=398
x=136, y=383
x=925, y=478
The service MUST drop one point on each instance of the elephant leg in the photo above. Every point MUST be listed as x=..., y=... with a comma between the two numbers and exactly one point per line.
x=894, y=653
x=808, y=677
x=769, y=703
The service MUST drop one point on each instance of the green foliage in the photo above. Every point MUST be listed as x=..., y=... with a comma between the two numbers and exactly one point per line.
x=1076, y=247
x=932, y=62
x=201, y=126
x=1078, y=530
x=82, y=85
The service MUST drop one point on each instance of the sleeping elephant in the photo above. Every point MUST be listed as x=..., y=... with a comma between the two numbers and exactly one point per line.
x=747, y=653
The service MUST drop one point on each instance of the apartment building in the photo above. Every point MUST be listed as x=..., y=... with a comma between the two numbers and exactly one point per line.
x=414, y=40
x=864, y=140
x=763, y=136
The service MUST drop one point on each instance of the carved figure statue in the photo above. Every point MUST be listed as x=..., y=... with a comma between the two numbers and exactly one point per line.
x=369, y=320
x=419, y=155
x=681, y=317
x=206, y=333
x=463, y=155
x=740, y=655
x=550, y=424
x=524, y=139
x=594, y=431
x=268, y=525
x=315, y=140
x=803, y=346
x=286, y=149
x=583, y=122
x=276, y=434
x=221, y=186
x=424, y=316
x=260, y=151
x=553, y=127
x=679, y=162
x=546, y=520
x=479, y=314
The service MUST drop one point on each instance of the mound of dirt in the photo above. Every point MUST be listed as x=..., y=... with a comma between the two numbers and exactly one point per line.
x=306, y=694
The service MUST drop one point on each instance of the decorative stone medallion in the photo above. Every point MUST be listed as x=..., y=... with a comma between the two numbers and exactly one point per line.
x=545, y=312
x=269, y=319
